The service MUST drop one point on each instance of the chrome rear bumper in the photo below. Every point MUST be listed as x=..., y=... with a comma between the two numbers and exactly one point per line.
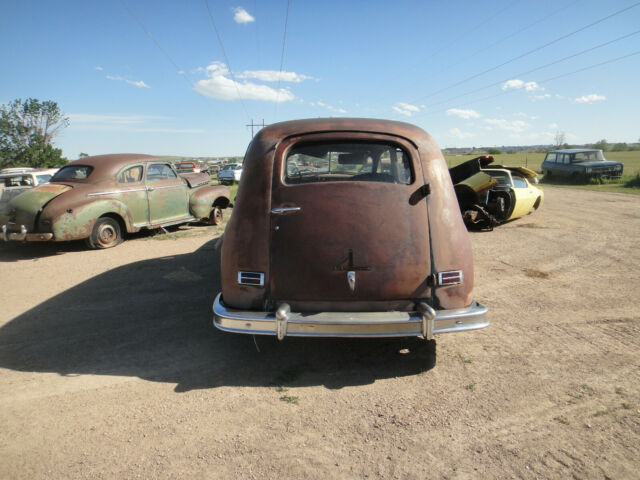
x=348, y=324
x=23, y=235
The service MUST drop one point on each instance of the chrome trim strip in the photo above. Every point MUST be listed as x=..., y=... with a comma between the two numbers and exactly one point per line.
x=348, y=324
x=151, y=189
x=283, y=210
x=113, y=192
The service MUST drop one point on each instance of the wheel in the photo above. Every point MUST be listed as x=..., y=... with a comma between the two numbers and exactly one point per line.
x=215, y=218
x=106, y=234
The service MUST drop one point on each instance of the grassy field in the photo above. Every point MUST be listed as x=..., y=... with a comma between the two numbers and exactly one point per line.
x=631, y=162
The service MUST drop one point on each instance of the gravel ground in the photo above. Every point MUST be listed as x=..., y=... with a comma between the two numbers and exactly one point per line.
x=109, y=366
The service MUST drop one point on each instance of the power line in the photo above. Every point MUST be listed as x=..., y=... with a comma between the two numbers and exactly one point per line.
x=551, y=79
x=464, y=35
x=536, y=49
x=180, y=72
x=514, y=33
x=537, y=68
x=226, y=59
x=284, y=40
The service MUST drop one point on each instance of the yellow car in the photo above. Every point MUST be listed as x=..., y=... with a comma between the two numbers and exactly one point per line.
x=489, y=195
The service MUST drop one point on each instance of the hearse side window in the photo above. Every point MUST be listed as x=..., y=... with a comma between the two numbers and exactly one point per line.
x=363, y=162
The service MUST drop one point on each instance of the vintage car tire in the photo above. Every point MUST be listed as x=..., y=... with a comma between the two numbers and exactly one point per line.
x=216, y=216
x=106, y=234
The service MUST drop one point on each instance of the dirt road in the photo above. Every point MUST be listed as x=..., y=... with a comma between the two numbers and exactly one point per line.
x=109, y=367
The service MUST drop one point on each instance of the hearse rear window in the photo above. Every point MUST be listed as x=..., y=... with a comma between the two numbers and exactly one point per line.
x=364, y=162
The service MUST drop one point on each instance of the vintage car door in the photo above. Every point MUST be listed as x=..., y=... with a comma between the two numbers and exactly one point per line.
x=168, y=194
x=133, y=193
x=526, y=195
x=349, y=223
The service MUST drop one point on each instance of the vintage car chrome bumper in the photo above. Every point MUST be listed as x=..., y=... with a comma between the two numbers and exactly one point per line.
x=23, y=235
x=349, y=324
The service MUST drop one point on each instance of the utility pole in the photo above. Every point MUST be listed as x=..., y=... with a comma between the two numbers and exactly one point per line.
x=255, y=125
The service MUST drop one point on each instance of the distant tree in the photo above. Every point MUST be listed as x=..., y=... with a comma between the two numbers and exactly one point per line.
x=601, y=145
x=27, y=129
x=83, y=155
x=494, y=151
x=559, y=138
x=620, y=147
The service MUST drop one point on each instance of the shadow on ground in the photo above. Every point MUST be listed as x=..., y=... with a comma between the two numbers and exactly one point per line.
x=152, y=319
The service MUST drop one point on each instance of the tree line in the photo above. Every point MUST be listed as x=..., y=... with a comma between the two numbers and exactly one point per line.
x=27, y=130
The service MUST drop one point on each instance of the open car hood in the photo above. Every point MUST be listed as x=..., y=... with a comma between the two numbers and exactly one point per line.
x=196, y=179
x=466, y=170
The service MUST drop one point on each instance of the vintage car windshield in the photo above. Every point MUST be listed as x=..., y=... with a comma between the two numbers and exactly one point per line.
x=43, y=178
x=72, y=172
x=580, y=157
x=369, y=162
x=500, y=176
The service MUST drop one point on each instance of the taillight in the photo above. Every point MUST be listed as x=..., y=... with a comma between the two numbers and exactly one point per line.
x=251, y=278
x=452, y=277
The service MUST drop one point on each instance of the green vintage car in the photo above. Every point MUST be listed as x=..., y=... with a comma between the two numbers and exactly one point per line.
x=100, y=198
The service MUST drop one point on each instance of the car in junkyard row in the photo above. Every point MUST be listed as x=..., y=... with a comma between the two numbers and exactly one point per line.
x=346, y=228
x=14, y=181
x=100, y=198
x=489, y=195
x=580, y=164
x=230, y=173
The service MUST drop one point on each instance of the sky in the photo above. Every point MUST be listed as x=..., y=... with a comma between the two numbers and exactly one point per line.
x=187, y=77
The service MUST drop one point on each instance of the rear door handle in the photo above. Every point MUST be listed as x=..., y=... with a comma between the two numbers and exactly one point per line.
x=285, y=210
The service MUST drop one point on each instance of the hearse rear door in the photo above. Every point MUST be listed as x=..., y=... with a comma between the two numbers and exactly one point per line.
x=336, y=238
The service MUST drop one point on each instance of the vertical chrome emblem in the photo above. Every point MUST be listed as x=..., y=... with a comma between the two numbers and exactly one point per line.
x=351, y=279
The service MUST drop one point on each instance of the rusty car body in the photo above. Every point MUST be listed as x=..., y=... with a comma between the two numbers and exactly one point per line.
x=490, y=195
x=99, y=198
x=346, y=228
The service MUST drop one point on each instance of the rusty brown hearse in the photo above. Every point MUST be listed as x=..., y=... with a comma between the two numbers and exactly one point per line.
x=99, y=198
x=346, y=228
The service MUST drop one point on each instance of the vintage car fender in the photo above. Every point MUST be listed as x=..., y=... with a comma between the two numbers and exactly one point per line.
x=77, y=222
x=203, y=199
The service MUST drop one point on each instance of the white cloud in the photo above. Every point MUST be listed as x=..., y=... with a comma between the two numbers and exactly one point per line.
x=180, y=72
x=329, y=107
x=553, y=126
x=219, y=85
x=518, y=84
x=457, y=133
x=240, y=15
x=590, y=98
x=114, y=119
x=274, y=76
x=139, y=84
x=126, y=123
x=406, y=108
x=465, y=114
x=99, y=68
x=544, y=96
x=510, y=126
